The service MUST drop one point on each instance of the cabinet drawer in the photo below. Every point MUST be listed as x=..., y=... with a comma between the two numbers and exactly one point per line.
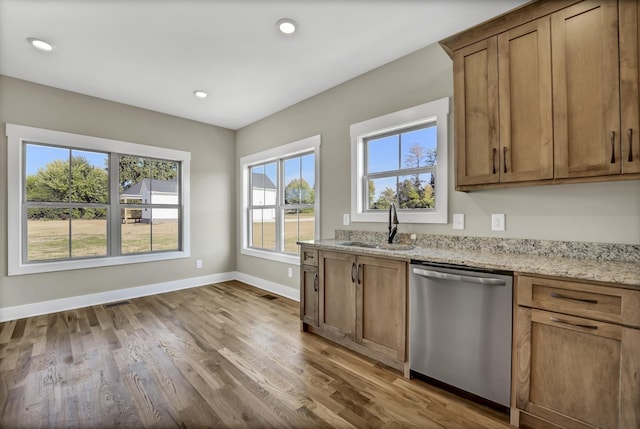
x=309, y=257
x=581, y=299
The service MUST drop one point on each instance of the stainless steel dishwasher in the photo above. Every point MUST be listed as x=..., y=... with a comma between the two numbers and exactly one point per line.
x=460, y=329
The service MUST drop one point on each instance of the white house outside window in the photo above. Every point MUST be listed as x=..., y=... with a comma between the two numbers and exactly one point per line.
x=401, y=158
x=280, y=200
x=79, y=201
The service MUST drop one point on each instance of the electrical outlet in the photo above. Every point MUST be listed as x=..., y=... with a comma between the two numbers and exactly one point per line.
x=413, y=237
x=345, y=219
x=290, y=272
x=199, y=263
x=458, y=221
x=498, y=222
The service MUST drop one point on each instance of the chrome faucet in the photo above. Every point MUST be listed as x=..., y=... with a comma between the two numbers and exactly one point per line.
x=393, y=220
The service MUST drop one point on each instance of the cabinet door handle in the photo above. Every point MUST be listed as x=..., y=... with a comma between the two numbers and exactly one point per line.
x=315, y=282
x=495, y=151
x=359, y=273
x=504, y=158
x=353, y=273
x=560, y=296
x=613, y=147
x=630, y=135
x=566, y=322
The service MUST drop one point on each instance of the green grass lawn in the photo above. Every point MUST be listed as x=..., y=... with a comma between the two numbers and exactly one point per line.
x=49, y=239
x=264, y=233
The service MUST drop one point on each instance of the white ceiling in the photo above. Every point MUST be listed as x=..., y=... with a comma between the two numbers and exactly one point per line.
x=154, y=53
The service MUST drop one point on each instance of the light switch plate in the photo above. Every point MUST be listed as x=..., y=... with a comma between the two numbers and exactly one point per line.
x=498, y=222
x=458, y=221
x=345, y=219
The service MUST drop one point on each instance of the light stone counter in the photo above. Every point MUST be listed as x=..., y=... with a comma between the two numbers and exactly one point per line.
x=617, y=264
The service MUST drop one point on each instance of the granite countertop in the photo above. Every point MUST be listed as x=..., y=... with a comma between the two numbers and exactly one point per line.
x=620, y=272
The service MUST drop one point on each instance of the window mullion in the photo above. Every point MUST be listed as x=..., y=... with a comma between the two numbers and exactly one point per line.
x=280, y=202
x=70, y=210
x=114, y=222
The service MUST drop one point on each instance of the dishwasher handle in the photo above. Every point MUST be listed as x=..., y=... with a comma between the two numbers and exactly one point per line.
x=490, y=281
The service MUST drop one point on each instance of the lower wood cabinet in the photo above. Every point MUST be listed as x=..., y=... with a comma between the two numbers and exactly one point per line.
x=338, y=294
x=381, y=302
x=362, y=304
x=309, y=287
x=574, y=368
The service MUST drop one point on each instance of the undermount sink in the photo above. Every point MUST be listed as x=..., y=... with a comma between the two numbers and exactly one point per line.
x=385, y=246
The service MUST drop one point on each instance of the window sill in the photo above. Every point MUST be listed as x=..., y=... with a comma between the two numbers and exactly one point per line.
x=424, y=217
x=278, y=257
x=47, y=267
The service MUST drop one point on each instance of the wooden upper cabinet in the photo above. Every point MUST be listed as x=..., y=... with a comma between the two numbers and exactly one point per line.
x=586, y=96
x=503, y=108
x=526, y=130
x=475, y=80
x=630, y=84
x=548, y=93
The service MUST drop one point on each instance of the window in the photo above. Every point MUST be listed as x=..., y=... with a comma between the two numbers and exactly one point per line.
x=401, y=158
x=78, y=201
x=280, y=200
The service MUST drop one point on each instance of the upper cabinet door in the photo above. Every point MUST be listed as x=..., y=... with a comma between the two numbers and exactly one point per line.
x=586, y=92
x=526, y=133
x=475, y=79
x=629, y=84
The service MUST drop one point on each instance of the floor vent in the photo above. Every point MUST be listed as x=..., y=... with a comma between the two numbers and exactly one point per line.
x=115, y=304
x=269, y=297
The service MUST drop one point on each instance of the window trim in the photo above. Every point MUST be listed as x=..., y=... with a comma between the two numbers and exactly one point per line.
x=299, y=147
x=19, y=134
x=435, y=111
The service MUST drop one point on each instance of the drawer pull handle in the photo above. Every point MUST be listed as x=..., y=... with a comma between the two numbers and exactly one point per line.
x=566, y=322
x=315, y=282
x=495, y=151
x=588, y=301
x=308, y=257
x=359, y=273
x=504, y=158
x=613, y=147
x=630, y=134
x=353, y=274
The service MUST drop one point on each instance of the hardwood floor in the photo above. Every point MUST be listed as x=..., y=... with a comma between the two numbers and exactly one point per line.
x=223, y=355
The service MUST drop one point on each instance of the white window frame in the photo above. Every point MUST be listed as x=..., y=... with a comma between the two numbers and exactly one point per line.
x=309, y=144
x=433, y=112
x=19, y=134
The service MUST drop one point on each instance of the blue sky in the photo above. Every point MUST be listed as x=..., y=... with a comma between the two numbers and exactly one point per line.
x=389, y=153
x=39, y=156
x=292, y=170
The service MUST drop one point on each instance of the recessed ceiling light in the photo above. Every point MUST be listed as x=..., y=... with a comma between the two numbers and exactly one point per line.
x=200, y=94
x=286, y=25
x=40, y=44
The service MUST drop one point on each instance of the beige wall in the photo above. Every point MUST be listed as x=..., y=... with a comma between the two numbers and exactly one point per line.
x=212, y=207
x=601, y=212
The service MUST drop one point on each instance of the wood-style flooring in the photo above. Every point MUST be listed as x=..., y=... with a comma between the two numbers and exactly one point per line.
x=223, y=355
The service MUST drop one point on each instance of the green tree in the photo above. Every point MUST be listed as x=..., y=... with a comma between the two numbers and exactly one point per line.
x=413, y=194
x=58, y=182
x=372, y=193
x=385, y=199
x=133, y=169
x=298, y=191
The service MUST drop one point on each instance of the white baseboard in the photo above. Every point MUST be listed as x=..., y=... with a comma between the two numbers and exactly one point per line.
x=64, y=304
x=277, y=288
